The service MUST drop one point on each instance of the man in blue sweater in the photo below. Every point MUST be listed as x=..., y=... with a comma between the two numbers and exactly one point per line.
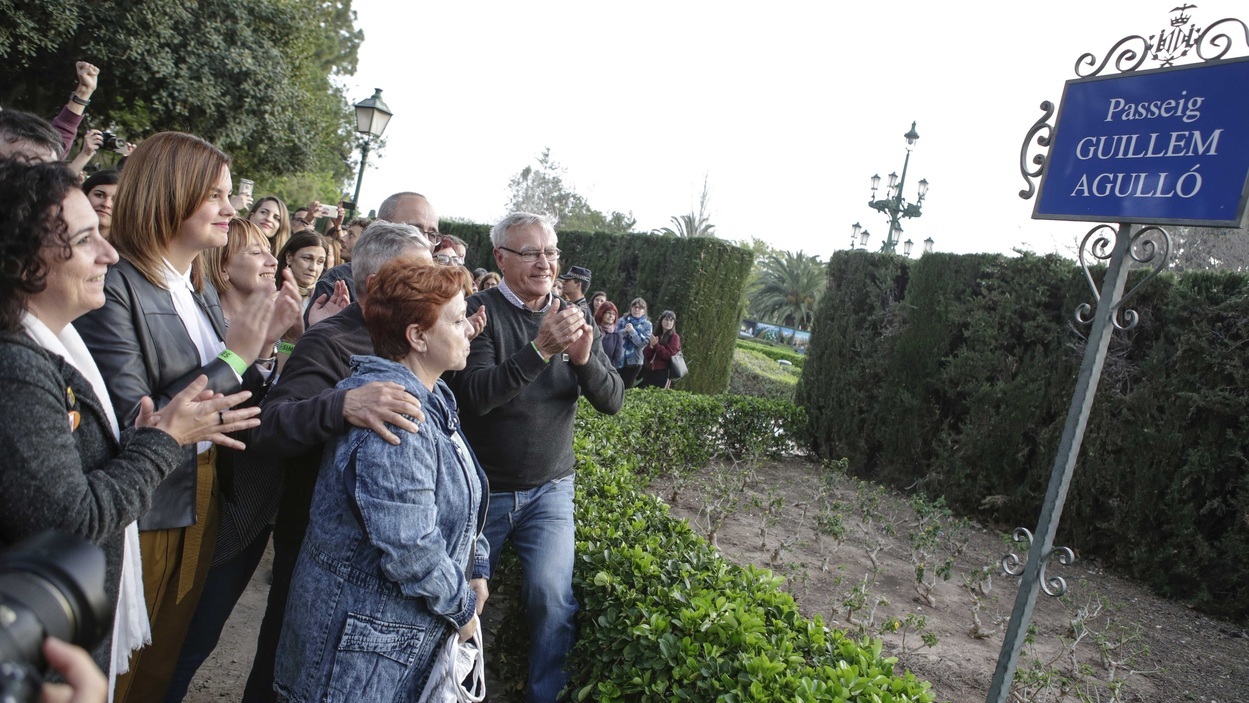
x=518, y=399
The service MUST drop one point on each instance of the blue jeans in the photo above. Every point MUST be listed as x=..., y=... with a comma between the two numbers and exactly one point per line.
x=539, y=523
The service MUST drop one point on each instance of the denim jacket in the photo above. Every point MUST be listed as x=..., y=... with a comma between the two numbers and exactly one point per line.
x=636, y=341
x=381, y=579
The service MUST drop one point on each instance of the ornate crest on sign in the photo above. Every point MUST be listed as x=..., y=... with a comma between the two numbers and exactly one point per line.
x=1210, y=43
x=1175, y=43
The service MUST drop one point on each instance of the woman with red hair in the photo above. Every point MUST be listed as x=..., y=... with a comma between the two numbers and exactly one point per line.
x=394, y=551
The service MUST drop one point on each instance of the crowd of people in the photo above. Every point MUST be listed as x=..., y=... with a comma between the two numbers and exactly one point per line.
x=185, y=383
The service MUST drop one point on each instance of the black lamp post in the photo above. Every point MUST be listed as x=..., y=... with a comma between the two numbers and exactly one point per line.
x=892, y=204
x=372, y=116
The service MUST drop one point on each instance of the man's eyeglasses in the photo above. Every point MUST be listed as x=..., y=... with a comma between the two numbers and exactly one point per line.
x=530, y=256
x=448, y=259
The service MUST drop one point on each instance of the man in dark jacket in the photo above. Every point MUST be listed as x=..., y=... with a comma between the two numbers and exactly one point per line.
x=518, y=399
x=304, y=410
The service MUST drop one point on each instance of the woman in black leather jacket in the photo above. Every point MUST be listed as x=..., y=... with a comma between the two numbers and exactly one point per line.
x=160, y=328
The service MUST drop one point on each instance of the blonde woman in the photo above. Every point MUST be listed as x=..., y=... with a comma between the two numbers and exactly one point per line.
x=160, y=328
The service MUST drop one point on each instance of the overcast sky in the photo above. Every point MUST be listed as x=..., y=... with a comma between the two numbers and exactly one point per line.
x=788, y=108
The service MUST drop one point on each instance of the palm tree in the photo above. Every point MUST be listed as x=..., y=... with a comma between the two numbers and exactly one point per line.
x=690, y=225
x=694, y=224
x=788, y=289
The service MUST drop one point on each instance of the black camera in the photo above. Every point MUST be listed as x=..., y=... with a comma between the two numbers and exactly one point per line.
x=51, y=584
x=112, y=142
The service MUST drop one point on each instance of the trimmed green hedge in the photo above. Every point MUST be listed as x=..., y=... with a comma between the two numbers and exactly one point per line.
x=699, y=278
x=663, y=617
x=776, y=352
x=956, y=372
x=761, y=377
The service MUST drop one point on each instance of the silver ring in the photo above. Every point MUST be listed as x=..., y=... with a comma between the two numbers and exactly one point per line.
x=221, y=415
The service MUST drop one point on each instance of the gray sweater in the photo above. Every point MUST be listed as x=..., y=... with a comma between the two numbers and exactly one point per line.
x=517, y=410
x=78, y=480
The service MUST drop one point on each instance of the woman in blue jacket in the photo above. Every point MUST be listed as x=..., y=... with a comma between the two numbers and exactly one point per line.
x=635, y=330
x=390, y=564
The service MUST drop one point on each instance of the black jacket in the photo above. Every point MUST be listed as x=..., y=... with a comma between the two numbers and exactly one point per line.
x=304, y=410
x=143, y=349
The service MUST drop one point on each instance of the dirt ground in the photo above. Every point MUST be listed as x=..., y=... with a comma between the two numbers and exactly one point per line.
x=1169, y=653
x=1159, y=651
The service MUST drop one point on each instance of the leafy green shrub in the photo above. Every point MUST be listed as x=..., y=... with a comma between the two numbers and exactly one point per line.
x=663, y=617
x=776, y=352
x=758, y=376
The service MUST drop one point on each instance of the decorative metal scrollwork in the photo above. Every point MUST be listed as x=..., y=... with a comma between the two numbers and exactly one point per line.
x=1012, y=565
x=1211, y=41
x=1100, y=248
x=1044, y=133
x=1167, y=46
x=1126, y=58
x=1056, y=586
x=1150, y=246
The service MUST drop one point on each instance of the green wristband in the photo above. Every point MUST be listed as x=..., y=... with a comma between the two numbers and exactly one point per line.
x=285, y=348
x=234, y=360
x=545, y=360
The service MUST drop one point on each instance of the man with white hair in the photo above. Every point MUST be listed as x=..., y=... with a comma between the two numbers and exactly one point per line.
x=518, y=400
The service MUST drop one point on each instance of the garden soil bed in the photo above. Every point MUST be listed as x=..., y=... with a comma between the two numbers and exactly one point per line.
x=1179, y=654
x=1173, y=653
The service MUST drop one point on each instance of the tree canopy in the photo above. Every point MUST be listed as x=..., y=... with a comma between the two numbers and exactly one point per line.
x=252, y=76
x=1207, y=248
x=542, y=191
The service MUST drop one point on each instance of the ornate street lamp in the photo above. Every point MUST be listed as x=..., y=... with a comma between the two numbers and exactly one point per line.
x=372, y=116
x=892, y=203
x=858, y=236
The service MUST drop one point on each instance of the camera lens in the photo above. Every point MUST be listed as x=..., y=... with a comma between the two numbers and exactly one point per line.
x=51, y=584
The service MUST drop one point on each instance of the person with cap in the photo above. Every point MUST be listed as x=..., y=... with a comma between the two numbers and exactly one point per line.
x=576, y=283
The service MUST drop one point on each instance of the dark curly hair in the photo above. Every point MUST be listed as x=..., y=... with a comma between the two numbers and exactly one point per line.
x=31, y=217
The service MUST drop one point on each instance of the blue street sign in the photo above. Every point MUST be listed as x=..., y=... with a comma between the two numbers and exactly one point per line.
x=1169, y=146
